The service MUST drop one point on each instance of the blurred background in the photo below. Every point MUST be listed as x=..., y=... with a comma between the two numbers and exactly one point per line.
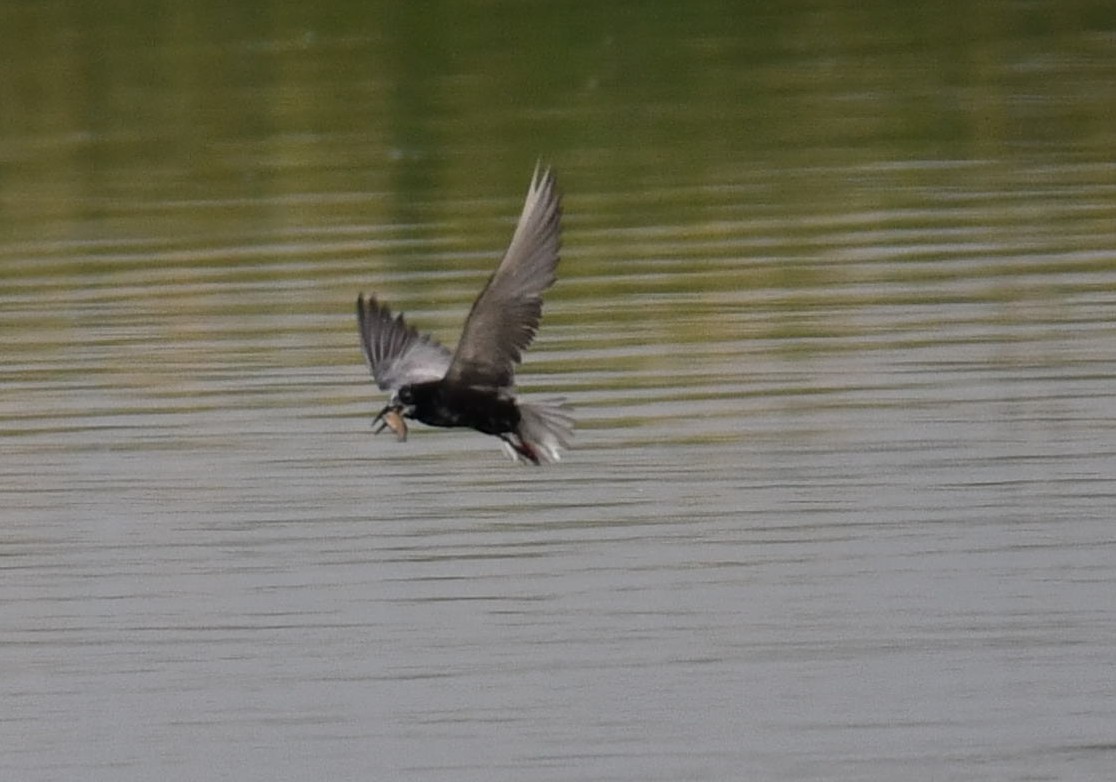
x=835, y=312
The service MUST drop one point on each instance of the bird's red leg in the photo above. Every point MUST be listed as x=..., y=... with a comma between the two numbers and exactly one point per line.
x=522, y=447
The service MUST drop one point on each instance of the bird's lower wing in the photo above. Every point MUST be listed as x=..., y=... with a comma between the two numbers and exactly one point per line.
x=396, y=354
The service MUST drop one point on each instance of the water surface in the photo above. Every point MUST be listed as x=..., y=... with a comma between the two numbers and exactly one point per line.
x=834, y=312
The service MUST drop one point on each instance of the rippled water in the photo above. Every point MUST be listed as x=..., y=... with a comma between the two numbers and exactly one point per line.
x=839, y=505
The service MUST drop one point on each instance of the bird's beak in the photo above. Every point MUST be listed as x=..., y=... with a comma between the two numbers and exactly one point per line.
x=391, y=418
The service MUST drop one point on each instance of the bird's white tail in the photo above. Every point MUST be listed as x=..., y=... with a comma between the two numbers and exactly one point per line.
x=545, y=428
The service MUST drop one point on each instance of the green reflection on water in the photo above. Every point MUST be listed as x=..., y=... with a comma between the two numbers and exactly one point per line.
x=733, y=171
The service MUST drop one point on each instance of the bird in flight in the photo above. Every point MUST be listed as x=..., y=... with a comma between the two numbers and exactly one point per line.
x=474, y=386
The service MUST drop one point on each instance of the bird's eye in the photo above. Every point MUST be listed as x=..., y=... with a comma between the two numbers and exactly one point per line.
x=405, y=395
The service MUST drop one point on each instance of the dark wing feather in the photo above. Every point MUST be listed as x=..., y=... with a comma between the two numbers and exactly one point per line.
x=396, y=353
x=505, y=316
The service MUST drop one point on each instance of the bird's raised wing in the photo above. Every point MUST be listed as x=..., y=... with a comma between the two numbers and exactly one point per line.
x=505, y=316
x=396, y=353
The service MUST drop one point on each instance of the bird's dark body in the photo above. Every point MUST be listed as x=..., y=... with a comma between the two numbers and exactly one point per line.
x=440, y=403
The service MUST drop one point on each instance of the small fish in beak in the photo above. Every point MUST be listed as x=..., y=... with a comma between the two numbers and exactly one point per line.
x=394, y=421
x=390, y=418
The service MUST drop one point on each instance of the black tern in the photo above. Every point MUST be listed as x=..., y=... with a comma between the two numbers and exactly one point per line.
x=474, y=386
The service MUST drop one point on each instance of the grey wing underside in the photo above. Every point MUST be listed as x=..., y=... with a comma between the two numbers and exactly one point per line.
x=396, y=353
x=506, y=314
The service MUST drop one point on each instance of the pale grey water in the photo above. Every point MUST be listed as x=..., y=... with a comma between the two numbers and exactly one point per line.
x=839, y=507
